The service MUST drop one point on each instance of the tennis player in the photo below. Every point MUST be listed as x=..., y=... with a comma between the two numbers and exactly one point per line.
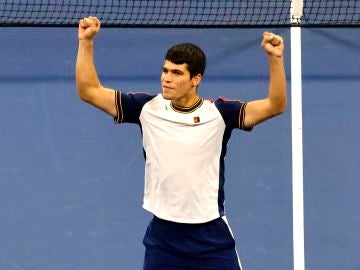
x=184, y=139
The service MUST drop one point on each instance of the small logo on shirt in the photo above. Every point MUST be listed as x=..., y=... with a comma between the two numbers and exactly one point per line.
x=196, y=119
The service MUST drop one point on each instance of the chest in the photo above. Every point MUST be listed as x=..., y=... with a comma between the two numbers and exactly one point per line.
x=167, y=126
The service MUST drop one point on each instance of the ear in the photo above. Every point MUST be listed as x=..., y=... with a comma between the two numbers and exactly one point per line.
x=196, y=79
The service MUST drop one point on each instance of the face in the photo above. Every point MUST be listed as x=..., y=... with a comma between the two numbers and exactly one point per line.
x=177, y=84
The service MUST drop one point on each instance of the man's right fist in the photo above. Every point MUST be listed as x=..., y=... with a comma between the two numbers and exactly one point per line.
x=88, y=28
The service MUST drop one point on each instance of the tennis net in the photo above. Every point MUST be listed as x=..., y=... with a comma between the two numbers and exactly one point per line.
x=186, y=13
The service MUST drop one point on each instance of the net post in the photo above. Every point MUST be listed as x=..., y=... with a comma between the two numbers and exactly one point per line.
x=296, y=14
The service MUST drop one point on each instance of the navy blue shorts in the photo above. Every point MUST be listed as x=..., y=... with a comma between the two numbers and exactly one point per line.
x=206, y=246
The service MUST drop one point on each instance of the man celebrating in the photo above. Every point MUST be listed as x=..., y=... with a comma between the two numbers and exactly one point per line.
x=184, y=139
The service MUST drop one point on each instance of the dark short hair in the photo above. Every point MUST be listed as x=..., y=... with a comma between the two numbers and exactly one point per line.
x=190, y=54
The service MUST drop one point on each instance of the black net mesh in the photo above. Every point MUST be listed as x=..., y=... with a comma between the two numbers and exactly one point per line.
x=177, y=13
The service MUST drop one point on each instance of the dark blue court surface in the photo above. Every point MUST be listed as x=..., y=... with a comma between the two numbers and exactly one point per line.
x=71, y=181
x=331, y=91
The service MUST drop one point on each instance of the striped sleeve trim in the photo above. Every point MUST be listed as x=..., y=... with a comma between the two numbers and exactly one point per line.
x=118, y=106
x=242, y=118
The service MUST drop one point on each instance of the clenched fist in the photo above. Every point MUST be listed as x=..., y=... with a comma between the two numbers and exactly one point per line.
x=272, y=44
x=88, y=28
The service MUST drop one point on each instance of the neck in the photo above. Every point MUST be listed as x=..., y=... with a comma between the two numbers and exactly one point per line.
x=187, y=109
x=186, y=102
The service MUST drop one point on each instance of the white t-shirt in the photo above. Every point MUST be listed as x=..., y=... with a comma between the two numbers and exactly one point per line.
x=184, y=153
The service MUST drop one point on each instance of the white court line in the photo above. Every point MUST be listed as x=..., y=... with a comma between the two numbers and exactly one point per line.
x=297, y=150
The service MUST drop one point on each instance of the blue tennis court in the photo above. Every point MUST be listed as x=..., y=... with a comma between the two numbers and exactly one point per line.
x=71, y=181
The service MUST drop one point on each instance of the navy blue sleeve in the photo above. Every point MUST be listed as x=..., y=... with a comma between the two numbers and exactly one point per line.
x=129, y=106
x=233, y=113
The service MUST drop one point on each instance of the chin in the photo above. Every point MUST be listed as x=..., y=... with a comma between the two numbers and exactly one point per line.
x=166, y=96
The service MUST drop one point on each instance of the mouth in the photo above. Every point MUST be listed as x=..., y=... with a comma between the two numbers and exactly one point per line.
x=167, y=89
x=167, y=92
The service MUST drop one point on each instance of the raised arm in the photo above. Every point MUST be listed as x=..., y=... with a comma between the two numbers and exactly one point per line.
x=275, y=103
x=88, y=84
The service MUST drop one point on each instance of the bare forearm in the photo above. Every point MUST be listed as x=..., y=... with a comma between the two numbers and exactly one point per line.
x=260, y=110
x=277, y=84
x=86, y=76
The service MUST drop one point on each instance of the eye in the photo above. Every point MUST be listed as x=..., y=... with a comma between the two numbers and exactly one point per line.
x=177, y=72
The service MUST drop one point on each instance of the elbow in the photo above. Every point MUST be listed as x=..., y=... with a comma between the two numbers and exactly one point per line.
x=85, y=90
x=280, y=108
x=86, y=86
x=80, y=87
x=83, y=93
